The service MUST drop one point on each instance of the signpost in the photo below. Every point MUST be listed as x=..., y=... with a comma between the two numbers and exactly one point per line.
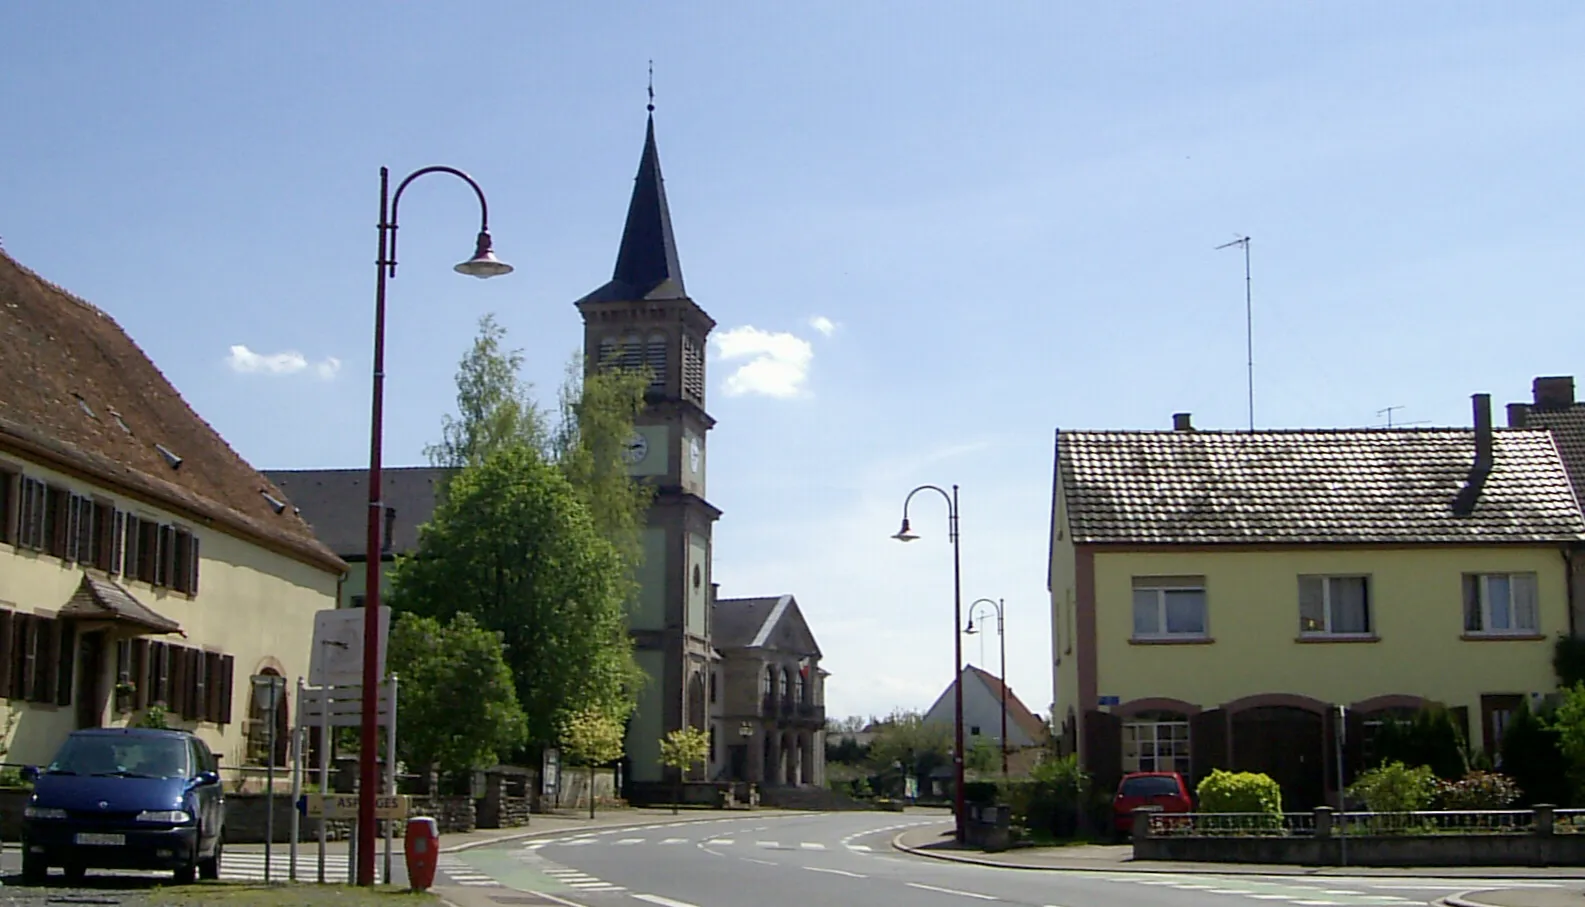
x=267, y=689
x=337, y=655
x=345, y=806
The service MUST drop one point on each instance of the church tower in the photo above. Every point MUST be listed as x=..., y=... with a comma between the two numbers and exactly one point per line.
x=643, y=317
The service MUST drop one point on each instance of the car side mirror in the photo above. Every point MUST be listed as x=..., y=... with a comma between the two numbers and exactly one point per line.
x=30, y=773
x=205, y=779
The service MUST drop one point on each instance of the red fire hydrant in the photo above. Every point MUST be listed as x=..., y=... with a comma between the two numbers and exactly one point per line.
x=422, y=848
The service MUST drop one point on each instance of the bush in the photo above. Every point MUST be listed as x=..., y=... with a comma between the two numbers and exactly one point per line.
x=1430, y=739
x=1532, y=755
x=1396, y=788
x=1477, y=790
x=980, y=793
x=1048, y=801
x=1239, y=792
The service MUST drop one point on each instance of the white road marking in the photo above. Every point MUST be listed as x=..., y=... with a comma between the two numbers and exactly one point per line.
x=721, y=842
x=1316, y=903
x=837, y=872
x=1270, y=897
x=631, y=841
x=663, y=902
x=807, y=846
x=761, y=862
x=861, y=848
x=675, y=841
x=967, y=894
x=770, y=844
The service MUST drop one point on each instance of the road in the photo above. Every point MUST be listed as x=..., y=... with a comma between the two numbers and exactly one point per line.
x=845, y=860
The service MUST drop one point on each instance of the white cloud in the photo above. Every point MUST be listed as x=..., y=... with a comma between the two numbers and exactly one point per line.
x=777, y=366
x=823, y=324
x=247, y=362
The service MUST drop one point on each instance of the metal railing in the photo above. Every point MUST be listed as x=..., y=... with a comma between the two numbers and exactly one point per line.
x=1439, y=822
x=1240, y=825
x=1361, y=824
x=1568, y=822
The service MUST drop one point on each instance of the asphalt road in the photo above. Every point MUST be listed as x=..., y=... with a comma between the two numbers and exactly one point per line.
x=845, y=860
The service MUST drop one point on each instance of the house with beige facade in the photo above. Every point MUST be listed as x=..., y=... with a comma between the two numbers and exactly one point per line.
x=770, y=697
x=1217, y=595
x=142, y=561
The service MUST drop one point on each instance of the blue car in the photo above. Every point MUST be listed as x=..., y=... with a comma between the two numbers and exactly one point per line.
x=125, y=798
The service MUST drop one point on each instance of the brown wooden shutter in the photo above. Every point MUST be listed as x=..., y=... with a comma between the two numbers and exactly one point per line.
x=157, y=677
x=140, y=673
x=46, y=662
x=227, y=667
x=1103, y=749
x=8, y=497
x=148, y=550
x=192, y=582
x=65, y=662
x=198, y=669
x=7, y=646
x=57, y=506
x=117, y=540
x=178, y=681
x=27, y=639
x=1207, y=744
x=212, y=708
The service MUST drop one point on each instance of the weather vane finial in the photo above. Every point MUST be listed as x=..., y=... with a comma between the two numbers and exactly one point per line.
x=652, y=86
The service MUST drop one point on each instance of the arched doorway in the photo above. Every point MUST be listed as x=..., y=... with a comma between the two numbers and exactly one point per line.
x=1285, y=742
x=258, y=729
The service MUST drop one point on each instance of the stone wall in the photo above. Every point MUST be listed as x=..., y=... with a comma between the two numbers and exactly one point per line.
x=451, y=814
x=12, y=801
x=245, y=815
x=574, y=792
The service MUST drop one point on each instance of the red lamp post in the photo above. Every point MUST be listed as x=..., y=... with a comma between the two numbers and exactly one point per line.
x=482, y=264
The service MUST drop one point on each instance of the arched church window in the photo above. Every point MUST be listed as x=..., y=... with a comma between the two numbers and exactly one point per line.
x=632, y=352
x=608, y=353
x=692, y=368
x=655, y=360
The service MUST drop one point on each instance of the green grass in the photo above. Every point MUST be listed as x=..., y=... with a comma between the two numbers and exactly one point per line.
x=241, y=894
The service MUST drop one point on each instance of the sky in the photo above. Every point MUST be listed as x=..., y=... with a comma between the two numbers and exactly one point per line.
x=931, y=234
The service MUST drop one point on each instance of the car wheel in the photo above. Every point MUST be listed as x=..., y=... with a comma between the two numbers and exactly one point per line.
x=34, y=870
x=209, y=869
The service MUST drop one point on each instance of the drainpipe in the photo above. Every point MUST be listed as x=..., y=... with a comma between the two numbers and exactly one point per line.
x=1568, y=584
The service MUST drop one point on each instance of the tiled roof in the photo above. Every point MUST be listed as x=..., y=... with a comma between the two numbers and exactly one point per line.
x=1567, y=425
x=1343, y=486
x=78, y=392
x=1017, y=712
x=736, y=622
x=103, y=599
x=336, y=503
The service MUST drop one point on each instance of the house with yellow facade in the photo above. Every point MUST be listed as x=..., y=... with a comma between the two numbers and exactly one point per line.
x=1216, y=595
x=142, y=561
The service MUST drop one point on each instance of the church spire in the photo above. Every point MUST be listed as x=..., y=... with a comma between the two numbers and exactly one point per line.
x=647, y=260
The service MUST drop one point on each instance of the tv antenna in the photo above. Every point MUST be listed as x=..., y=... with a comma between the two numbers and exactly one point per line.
x=1389, y=410
x=1249, y=323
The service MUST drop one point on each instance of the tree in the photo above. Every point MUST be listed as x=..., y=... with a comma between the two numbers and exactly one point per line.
x=511, y=544
x=591, y=737
x=494, y=408
x=458, y=706
x=680, y=749
x=1569, y=720
x=982, y=755
x=1532, y=755
x=905, y=739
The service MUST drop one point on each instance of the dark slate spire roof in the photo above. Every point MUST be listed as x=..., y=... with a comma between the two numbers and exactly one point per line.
x=646, y=264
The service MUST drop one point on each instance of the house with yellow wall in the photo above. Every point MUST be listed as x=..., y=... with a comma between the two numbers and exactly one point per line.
x=1216, y=595
x=142, y=561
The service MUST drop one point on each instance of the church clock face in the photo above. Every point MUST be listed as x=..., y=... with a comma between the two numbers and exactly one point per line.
x=636, y=448
x=694, y=453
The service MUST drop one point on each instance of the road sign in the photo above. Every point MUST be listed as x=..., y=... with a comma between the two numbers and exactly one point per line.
x=337, y=654
x=345, y=806
x=1110, y=700
x=346, y=706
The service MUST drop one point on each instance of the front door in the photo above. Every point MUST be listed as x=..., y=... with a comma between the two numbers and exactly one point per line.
x=90, y=679
x=737, y=755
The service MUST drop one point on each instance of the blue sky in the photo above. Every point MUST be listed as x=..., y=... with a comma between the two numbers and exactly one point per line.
x=1005, y=211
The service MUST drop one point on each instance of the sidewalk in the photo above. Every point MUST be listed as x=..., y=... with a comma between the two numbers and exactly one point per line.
x=936, y=842
x=1519, y=897
x=570, y=823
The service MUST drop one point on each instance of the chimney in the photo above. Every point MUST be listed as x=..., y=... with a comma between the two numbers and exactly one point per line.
x=1464, y=502
x=1518, y=414
x=1181, y=422
x=1553, y=393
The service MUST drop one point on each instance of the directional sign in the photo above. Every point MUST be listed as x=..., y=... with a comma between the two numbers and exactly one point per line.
x=345, y=806
x=337, y=655
x=346, y=706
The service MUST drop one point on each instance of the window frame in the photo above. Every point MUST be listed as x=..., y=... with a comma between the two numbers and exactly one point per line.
x=1327, y=617
x=1161, y=585
x=10, y=503
x=1180, y=762
x=1482, y=583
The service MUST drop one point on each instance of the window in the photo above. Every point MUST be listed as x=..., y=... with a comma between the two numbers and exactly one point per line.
x=655, y=361
x=1167, y=607
x=632, y=353
x=358, y=600
x=1500, y=603
x=36, y=658
x=1334, y=606
x=57, y=520
x=8, y=497
x=160, y=555
x=124, y=675
x=1156, y=746
x=608, y=353
x=692, y=368
x=30, y=522
x=1497, y=711
x=974, y=730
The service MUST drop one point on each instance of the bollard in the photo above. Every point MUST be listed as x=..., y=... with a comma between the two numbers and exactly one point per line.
x=422, y=849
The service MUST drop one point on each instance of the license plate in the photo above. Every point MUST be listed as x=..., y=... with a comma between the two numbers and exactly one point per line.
x=1151, y=809
x=98, y=840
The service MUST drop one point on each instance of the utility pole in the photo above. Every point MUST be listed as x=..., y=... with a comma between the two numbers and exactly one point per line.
x=1249, y=324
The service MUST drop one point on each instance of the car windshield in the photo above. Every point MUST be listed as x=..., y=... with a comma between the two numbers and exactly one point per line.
x=1150, y=786
x=131, y=757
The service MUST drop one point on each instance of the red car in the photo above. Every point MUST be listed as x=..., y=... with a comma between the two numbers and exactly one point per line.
x=1156, y=791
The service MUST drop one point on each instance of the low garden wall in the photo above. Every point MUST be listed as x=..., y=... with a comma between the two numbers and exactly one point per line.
x=1543, y=836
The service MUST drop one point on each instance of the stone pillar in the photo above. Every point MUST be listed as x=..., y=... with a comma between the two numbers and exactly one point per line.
x=809, y=758
x=1545, y=814
x=1323, y=822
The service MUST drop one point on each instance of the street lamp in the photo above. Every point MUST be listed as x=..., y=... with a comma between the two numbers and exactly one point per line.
x=1001, y=636
x=481, y=264
x=267, y=689
x=905, y=534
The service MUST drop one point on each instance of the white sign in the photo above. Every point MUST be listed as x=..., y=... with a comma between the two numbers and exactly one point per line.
x=345, y=806
x=337, y=656
x=346, y=706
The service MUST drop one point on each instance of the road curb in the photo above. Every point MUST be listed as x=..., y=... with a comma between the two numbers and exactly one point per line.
x=1462, y=899
x=550, y=833
x=1319, y=873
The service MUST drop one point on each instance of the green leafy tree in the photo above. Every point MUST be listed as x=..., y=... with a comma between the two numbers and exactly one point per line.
x=459, y=707
x=512, y=545
x=1569, y=720
x=597, y=414
x=982, y=755
x=1532, y=754
x=494, y=407
x=904, y=739
x=591, y=738
x=1432, y=738
x=681, y=749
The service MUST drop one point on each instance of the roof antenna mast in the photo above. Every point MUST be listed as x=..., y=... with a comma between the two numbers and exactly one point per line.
x=1249, y=324
x=651, y=105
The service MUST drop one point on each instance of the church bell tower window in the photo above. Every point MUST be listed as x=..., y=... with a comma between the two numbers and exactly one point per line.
x=632, y=353
x=655, y=361
x=692, y=369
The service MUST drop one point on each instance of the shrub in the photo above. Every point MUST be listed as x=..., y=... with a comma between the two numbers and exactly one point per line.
x=1239, y=792
x=1532, y=755
x=1396, y=788
x=981, y=793
x=1431, y=739
x=1048, y=800
x=1477, y=790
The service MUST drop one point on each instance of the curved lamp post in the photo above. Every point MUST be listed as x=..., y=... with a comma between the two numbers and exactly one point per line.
x=483, y=263
x=907, y=535
x=1001, y=636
